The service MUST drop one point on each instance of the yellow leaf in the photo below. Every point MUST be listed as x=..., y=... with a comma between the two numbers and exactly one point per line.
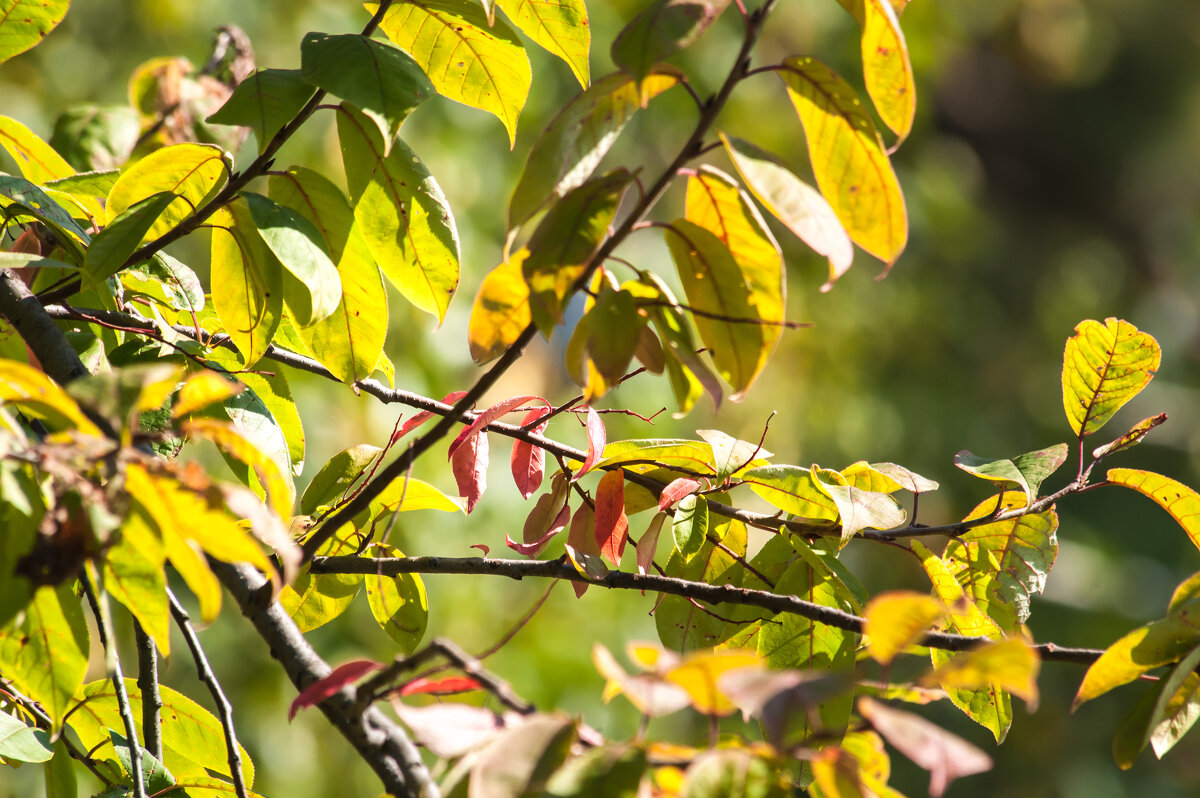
x=36, y=159
x=159, y=384
x=192, y=172
x=698, y=675
x=281, y=492
x=848, y=159
x=202, y=389
x=886, y=68
x=1008, y=664
x=1178, y=499
x=965, y=616
x=500, y=312
x=1104, y=366
x=897, y=619
x=246, y=282
x=33, y=391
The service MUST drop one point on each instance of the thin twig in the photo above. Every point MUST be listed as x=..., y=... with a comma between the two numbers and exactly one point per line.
x=151, y=697
x=380, y=683
x=224, y=708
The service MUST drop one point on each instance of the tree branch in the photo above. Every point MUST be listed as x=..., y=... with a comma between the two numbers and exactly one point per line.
x=151, y=697
x=623, y=580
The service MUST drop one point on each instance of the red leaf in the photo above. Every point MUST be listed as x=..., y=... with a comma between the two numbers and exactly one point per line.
x=648, y=543
x=532, y=547
x=482, y=547
x=447, y=686
x=677, y=490
x=494, y=412
x=425, y=415
x=596, y=441
x=469, y=463
x=321, y=689
x=529, y=461
x=612, y=527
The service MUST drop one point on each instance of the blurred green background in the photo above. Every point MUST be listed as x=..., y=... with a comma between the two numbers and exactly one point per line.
x=1053, y=175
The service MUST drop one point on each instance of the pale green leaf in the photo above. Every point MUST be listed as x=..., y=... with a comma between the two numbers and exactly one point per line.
x=246, y=282
x=560, y=28
x=791, y=489
x=192, y=172
x=24, y=23
x=21, y=743
x=1104, y=366
x=334, y=479
x=133, y=575
x=690, y=525
x=398, y=604
x=858, y=509
x=168, y=281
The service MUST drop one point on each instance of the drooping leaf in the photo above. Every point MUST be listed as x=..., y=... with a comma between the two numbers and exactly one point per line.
x=401, y=213
x=528, y=462
x=577, y=139
x=1027, y=471
x=1009, y=665
x=467, y=58
x=192, y=172
x=614, y=328
x=1129, y=439
x=661, y=30
x=246, y=282
x=45, y=656
x=560, y=28
x=791, y=489
x=690, y=525
x=582, y=549
x=519, y=760
x=647, y=544
x=597, y=439
x=311, y=286
x=897, y=619
x=341, y=676
x=848, y=158
x=1182, y=502
x=500, y=312
x=886, y=66
x=36, y=159
x=376, y=77
x=562, y=246
x=548, y=517
x=32, y=391
x=25, y=23
x=469, y=463
x=398, y=604
x=264, y=102
x=486, y=417
x=1104, y=366
x=611, y=525
x=1178, y=706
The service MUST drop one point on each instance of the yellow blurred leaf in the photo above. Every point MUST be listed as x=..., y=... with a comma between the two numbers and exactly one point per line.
x=1104, y=366
x=202, y=389
x=698, y=675
x=33, y=391
x=897, y=619
x=500, y=312
x=1009, y=664
x=281, y=492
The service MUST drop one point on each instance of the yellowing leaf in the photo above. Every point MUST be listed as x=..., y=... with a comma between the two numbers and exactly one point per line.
x=398, y=604
x=133, y=575
x=791, y=489
x=897, y=619
x=401, y=212
x=858, y=509
x=24, y=23
x=560, y=28
x=1178, y=499
x=698, y=675
x=467, y=58
x=36, y=159
x=46, y=655
x=886, y=68
x=202, y=389
x=1104, y=366
x=281, y=492
x=192, y=172
x=33, y=391
x=848, y=159
x=500, y=312
x=1009, y=665
x=246, y=282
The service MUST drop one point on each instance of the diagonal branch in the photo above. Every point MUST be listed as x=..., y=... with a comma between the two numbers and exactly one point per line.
x=624, y=580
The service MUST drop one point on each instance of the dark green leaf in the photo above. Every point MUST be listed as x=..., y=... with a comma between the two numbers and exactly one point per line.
x=96, y=137
x=665, y=28
x=265, y=102
x=113, y=245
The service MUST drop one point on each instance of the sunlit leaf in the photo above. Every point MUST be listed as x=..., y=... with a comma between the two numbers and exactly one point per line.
x=167, y=280
x=858, y=509
x=133, y=575
x=1027, y=471
x=202, y=389
x=897, y=619
x=113, y=245
x=1104, y=366
x=1010, y=665
x=1178, y=706
x=611, y=525
x=469, y=463
x=1178, y=499
x=398, y=604
x=402, y=214
x=664, y=28
x=246, y=282
x=1129, y=439
x=468, y=59
x=265, y=101
x=528, y=462
x=32, y=391
x=560, y=27
x=36, y=159
x=791, y=489
x=46, y=655
x=886, y=67
x=377, y=78
x=848, y=159
x=575, y=142
x=24, y=23
x=27, y=200
x=698, y=675
x=500, y=312
x=690, y=525
x=330, y=685
x=192, y=172
x=281, y=491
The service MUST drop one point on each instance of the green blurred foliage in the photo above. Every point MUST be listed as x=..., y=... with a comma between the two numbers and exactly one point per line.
x=1052, y=176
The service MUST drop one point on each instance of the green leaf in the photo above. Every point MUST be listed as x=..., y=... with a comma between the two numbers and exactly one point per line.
x=577, y=139
x=193, y=739
x=1130, y=736
x=46, y=656
x=246, y=282
x=334, y=479
x=734, y=773
x=1178, y=706
x=660, y=31
x=350, y=341
x=21, y=743
x=314, y=600
x=265, y=101
x=614, y=327
x=1151, y=646
x=798, y=205
x=168, y=281
x=613, y=770
x=1023, y=548
x=133, y=575
x=96, y=137
x=311, y=287
x=500, y=312
x=154, y=774
x=21, y=510
x=651, y=453
x=468, y=59
x=848, y=159
x=195, y=173
x=398, y=604
x=1129, y=439
x=732, y=455
x=87, y=184
x=60, y=773
x=1178, y=499
x=858, y=509
x=407, y=494
x=561, y=28
x=24, y=23
x=791, y=489
x=562, y=246
x=402, y=215
x=1027, y=472
x=377, y=78
x=113, y=245
x=887, y=70
x=1104, y=366
x=29, y=200
x=690, y=525
x=36, y=159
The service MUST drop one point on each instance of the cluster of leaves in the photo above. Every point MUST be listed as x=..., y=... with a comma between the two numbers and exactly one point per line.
x=95, y=502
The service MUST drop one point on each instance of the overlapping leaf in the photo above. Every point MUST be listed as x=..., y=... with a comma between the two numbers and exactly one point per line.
x=500, y=312
x=886, y=66
x=1027, y=471
x=897, y=619
x=36, y=159
x=1104, y=366
x=246, y=279
x=265, y=102
x=46, y=656
x=192, y=172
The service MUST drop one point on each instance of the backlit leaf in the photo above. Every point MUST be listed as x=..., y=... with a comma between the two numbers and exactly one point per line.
x=377, y=78
x=575, y=142
x=897, y=619
x=265, y=101
x=799, y=206
x=314, y=600
x=614, y=327
x=281, y=491
x=528, y=462
x=1178, y=499
x=1131, y=438
x=858, y=509
x=731, y=455
x=791, y=489
x=1104, y=366
x=690, y=525
x=848, y=159
x=468, y=59
x=661, y=30
x=500, y=312
x=246, y=282
x=560, y=27
x=886, y=67
x=1178, y=706
x=1009, y=665
x=583, y=550
x=698, y=675
x=45, y=656
x=31, y=390
x=469, y=463
x=341, y=676
x=611, y=525
x=36, y=159
x=202, y=389
x=21, y=743
x=597, y=448
x=402, y=214
x=133, y=575
x=24, y=23
x=398, y=604
x=1027, y=472
x=193, y=172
